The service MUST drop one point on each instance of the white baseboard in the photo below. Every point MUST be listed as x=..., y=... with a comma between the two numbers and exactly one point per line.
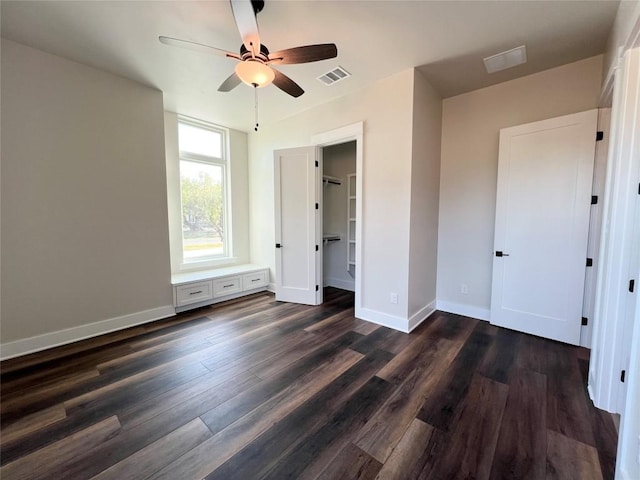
x=271, y=287
x=339, y=283
x=590, y=391
x=384, y=319
x=62, y=337
x=421, y=315
x=462, y=309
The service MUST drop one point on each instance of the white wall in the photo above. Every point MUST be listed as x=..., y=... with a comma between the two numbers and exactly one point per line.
x=425, y=192
x=338, y=161
x=470, y=130
x=386, y=110
x=84, y=206
x=239, y=195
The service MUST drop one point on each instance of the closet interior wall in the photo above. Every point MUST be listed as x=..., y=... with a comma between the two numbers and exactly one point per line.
x=339, y=161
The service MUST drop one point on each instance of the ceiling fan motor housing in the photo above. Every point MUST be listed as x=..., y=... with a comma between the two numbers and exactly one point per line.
x=262, y=55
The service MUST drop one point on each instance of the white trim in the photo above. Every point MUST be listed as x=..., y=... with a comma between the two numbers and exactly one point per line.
x=271, y=287
x=69, y=335
x=465, y=310
x=384, y=319
x=612, y=310
x=348, y=133
x=421, y=315
x=590, y=390
x=338, y=135
x=339, y=283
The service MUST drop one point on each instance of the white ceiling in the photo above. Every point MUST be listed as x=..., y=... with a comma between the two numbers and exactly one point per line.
x=445, y=39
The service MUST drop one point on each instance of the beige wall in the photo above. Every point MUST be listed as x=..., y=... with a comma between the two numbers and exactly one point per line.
x=385, y=108
x=425, y=192
x=470, y=131
x=84, y=206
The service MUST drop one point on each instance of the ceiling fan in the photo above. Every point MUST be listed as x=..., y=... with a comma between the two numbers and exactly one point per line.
x=255, y=62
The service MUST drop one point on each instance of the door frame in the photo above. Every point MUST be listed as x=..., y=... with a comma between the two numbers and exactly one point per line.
x=613, y=302
x=348, y=133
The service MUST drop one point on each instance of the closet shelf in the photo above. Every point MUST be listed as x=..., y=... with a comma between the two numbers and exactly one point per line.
x=331, y=237
x=326, y=180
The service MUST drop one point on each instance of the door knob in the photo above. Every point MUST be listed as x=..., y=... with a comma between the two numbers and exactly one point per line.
x=499, y=253
x=278, y=245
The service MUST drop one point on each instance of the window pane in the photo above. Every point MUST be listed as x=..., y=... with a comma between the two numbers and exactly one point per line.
x=202, y=209
x=199, y=140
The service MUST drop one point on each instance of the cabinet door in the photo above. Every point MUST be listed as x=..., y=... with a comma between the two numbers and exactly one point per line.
x=193, y=293
x=226, y=286
x=297, y=231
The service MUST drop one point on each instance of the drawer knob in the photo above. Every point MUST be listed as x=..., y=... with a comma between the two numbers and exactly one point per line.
x=195, y=293
x=227, y=286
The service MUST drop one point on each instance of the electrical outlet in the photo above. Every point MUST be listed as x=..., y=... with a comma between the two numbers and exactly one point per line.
x=393, y=297
x=464, y=288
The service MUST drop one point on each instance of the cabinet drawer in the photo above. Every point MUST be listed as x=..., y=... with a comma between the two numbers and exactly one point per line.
x=193, y=293
x=254, y=280
x=227, y=286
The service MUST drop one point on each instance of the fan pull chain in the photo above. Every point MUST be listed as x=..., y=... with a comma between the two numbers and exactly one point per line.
x=255, y=91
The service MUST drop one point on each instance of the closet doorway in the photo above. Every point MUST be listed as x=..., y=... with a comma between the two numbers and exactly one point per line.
x=339, y=219
x=301, y=237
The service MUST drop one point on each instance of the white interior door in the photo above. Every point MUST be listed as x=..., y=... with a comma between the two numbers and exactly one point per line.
x=545, y=172
x=297, y=230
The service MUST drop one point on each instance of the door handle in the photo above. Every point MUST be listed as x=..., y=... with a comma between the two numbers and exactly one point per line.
x=499, y=253
x=278, y=245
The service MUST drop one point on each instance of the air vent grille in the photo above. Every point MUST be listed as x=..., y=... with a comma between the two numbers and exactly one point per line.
x=334, y=76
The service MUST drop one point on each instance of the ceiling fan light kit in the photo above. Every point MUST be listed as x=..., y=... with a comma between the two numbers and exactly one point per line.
x=255, y=73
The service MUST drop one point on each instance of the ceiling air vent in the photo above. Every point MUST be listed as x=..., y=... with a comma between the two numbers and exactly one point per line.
x=504, y=60
x=334, y=76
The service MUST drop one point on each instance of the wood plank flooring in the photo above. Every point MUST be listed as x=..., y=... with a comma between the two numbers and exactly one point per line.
x=258, y=389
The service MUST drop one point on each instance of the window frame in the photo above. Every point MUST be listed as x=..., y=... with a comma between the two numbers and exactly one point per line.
x=223, y=162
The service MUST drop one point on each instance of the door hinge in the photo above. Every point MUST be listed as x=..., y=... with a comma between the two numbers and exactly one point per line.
x=632, y=284
x=594, y=199
x=589, y=262
x=316, y=163
x=317, y=288
x=317, y=206
x=585, y=321
x=622, y=375
x=317, y=248
x=599, y=136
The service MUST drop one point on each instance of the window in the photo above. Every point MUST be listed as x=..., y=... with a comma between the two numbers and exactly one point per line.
x=203, y=192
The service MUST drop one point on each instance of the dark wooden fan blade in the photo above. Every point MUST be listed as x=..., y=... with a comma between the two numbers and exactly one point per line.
x=197, y=47
x=245, y=17
x=287, y=85
x=306, y=54
x=230, y=83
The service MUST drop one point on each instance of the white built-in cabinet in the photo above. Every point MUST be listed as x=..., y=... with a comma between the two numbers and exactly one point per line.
x=198, y=289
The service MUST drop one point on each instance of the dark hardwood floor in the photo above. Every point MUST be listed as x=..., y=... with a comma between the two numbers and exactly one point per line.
x=257, y=389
